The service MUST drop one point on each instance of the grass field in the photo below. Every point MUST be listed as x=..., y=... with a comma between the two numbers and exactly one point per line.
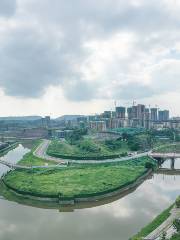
x=77, y=181
x=88, y=147
x=176, y=237
x=30, y=160
x=153, y=225
x=173, y=148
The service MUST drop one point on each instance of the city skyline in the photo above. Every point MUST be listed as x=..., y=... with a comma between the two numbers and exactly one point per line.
x=112, y=109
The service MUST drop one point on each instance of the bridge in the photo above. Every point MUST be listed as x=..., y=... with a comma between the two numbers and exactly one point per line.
x=161, y=157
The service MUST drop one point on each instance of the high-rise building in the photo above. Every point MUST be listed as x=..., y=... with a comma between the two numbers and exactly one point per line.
x=120, y=112
x=46, y=121
x=141, y=114
x=134, y=112
x=130, y=113
x=163, y=115
x=107, y=114
x=154, y=114
x=140, y=111
x=147, y=118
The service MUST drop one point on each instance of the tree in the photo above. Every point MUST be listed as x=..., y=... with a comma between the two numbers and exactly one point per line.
x=163, y=237
x=149, y=165
x=176, y=225
x=178, y=202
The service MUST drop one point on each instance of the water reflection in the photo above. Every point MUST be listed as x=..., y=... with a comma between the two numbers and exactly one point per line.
x=117, y=220
x=13, y=156
x=167, y=164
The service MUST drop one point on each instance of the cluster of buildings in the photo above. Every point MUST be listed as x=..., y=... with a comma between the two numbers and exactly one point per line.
x=136, y=116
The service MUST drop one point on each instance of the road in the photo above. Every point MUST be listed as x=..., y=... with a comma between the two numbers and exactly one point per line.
x=165, y=155
x=41, y=153
x=42, y=148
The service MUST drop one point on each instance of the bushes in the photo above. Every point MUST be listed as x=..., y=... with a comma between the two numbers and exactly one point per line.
x=88, y=149
x=149, y=165
x=178, y=202
x=176, y=225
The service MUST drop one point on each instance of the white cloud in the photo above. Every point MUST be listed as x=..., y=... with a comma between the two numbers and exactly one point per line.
x=90, y=51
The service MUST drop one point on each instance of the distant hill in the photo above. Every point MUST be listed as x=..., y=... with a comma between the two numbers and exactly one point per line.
x=68, y=117
x=22, y=118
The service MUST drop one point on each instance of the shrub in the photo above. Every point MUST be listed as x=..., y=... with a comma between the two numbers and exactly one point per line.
x=178, y=202
x=149, y=165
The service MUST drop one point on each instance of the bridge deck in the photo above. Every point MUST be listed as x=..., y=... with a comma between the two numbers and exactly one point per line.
x=165, y=155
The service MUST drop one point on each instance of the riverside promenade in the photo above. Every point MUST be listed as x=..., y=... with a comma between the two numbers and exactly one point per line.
x=166, y=226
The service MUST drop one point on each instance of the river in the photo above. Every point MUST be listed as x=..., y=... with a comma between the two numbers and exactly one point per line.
x=118, y=220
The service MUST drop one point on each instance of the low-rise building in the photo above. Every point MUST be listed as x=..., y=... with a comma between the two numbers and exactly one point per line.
x=97, y=125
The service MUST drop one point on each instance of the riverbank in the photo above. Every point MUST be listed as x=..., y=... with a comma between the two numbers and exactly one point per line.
x=77, y=182
x=9, y=148
x=30, y=159
x=161, y=224
x=154, y=224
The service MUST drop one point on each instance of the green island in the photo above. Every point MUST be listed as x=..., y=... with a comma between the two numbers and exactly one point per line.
x=83, y=180
x=88, y=148
x=76, y=180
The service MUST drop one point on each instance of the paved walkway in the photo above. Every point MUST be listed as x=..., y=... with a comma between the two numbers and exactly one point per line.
x=41, y=153
x=16, y=166
x=166, y=226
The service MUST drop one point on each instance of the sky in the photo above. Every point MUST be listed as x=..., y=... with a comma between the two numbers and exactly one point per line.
x=79, y=57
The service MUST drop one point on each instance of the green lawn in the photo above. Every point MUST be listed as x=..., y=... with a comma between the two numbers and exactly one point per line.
x=169, y=148
x=30, y=160
x=77, y=181
x=87, y=147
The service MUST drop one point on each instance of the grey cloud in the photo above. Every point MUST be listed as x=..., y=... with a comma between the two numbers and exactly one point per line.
x=133, y=91
x=7, y=7
x=80, y=90
x=105, y=17
x=48, y=48
x=30, y=63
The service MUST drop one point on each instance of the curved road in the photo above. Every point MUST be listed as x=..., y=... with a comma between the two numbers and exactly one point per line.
x=42, y=148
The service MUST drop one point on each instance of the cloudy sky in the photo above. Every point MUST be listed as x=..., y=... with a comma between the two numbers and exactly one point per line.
x=75, y=56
